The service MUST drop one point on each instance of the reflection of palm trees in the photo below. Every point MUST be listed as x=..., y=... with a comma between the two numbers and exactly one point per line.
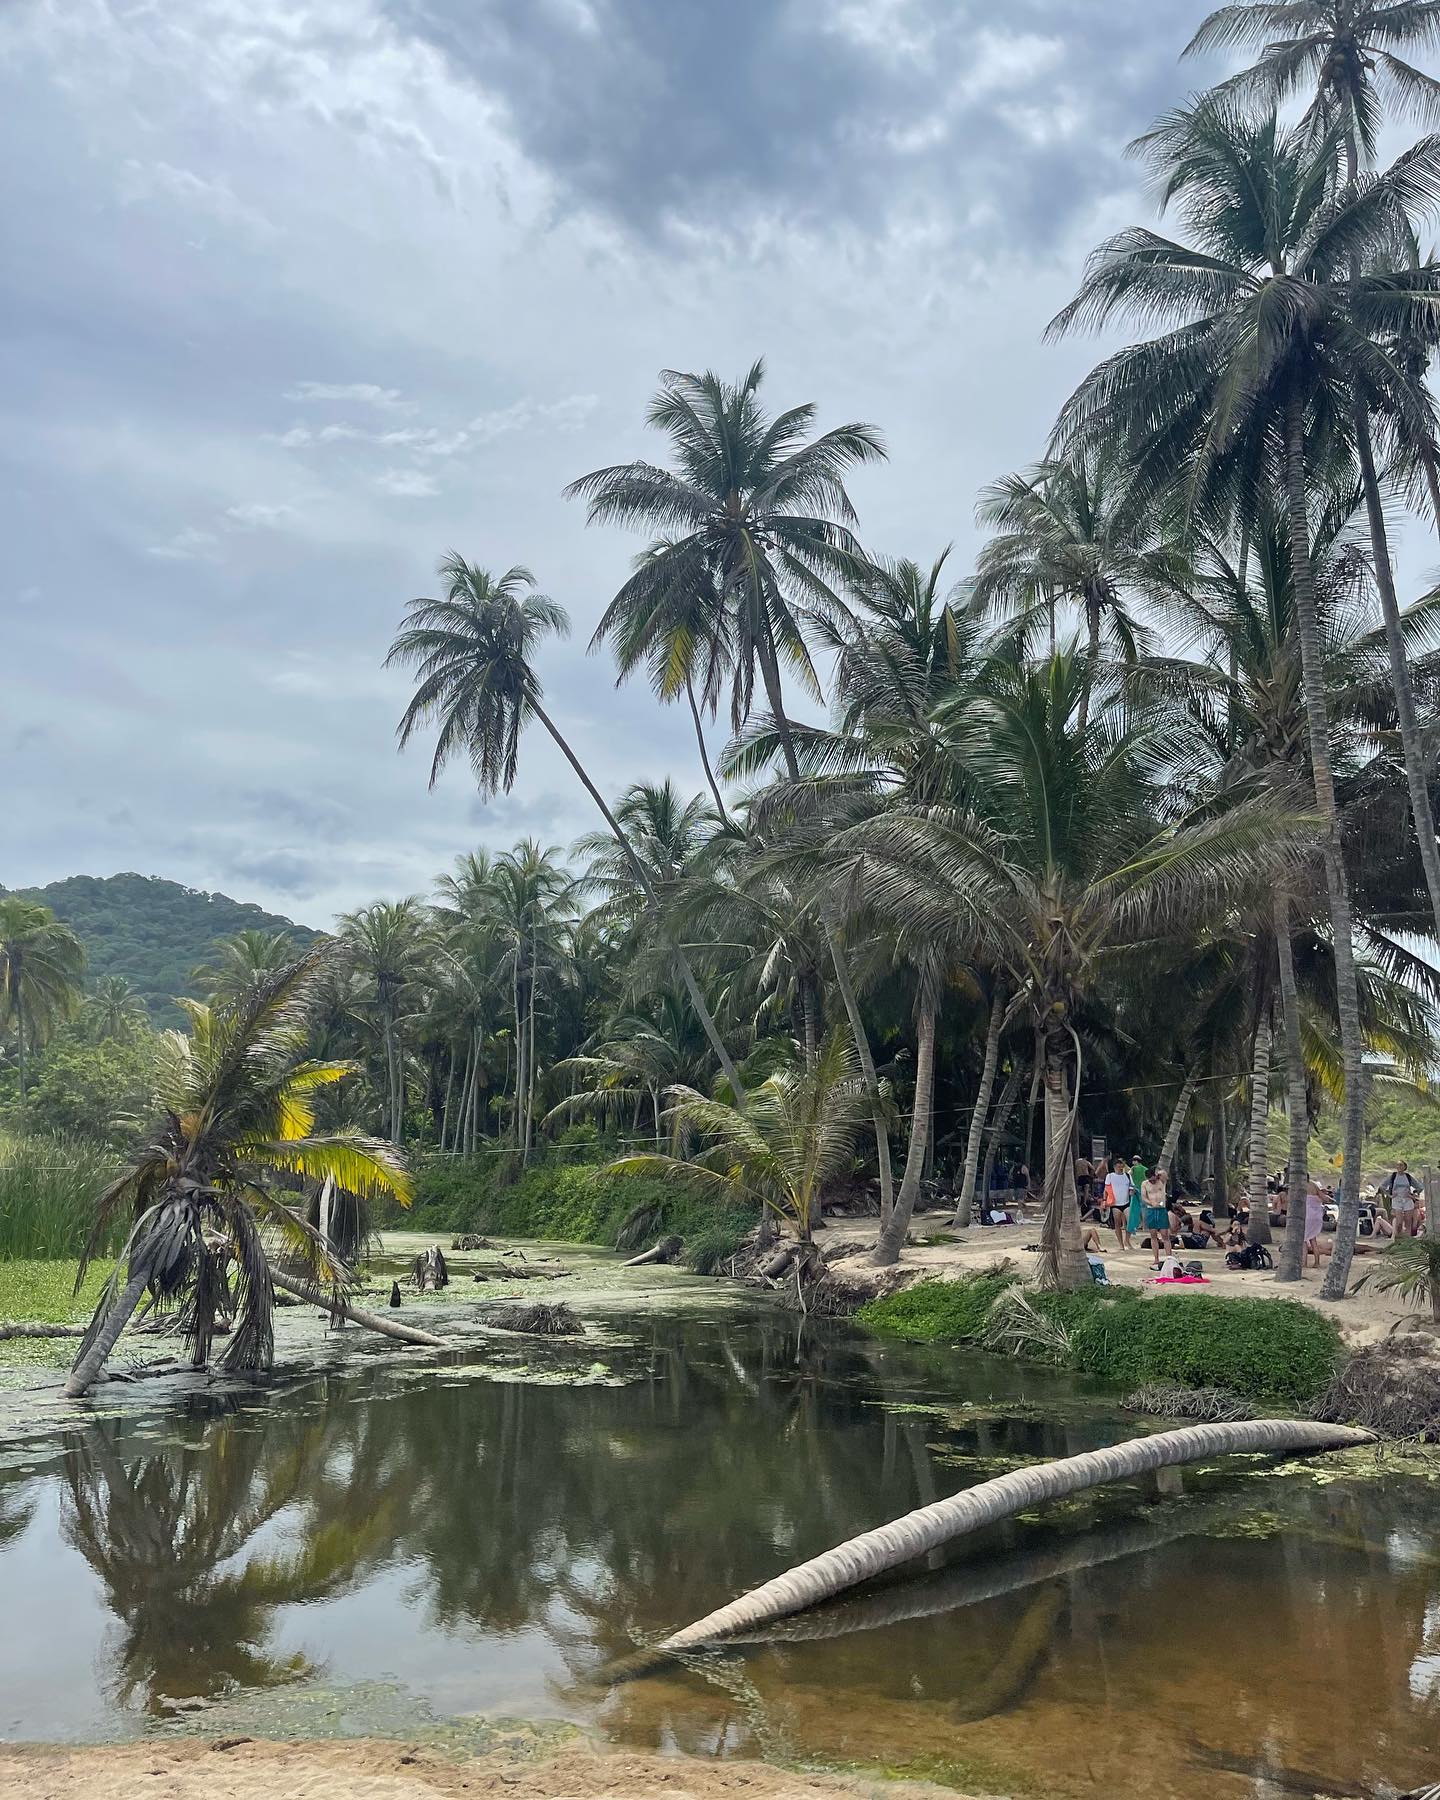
x=165, y=1532
x=15, y=1515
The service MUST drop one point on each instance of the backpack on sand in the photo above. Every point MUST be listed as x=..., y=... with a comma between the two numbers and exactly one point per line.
x=1253, y=1256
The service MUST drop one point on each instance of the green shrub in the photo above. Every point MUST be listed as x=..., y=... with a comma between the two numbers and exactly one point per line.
x=939, y=1312
x=1274, y=1351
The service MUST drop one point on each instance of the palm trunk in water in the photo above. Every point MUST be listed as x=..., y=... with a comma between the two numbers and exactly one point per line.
x=1347, y=989
x=637, y=869
x=1063, y=1263
x=892, y=1234
x=90, y=1362
x=1259, y=1232
x=966, y=1198
x=1178, y=1118
x=1292, y=1255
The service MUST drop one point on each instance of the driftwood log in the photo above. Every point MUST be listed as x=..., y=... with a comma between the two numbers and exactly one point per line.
x=23, y=1328
x=870, y=1554
x=391, y=1328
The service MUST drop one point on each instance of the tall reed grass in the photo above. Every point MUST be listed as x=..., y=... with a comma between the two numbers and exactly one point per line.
x=48, y=1187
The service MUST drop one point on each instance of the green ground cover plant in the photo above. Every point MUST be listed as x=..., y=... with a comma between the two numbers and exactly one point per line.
x=1276, y=1352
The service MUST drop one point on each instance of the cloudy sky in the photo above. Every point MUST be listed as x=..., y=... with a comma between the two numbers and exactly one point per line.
x=297, y=294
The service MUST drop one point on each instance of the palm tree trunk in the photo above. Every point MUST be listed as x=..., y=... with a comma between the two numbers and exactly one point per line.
x=704, y=753
x=997, y=1126
x=391, y=1328
x=1092, y=664
x=982, y=1108
x=637, y=868
x=1292, y=1256
x=20, y=1043
x=809, y=1011
x=1063, y=1263
x=449, y=1092
x=904, y=1539
x=1347, y=988
x=1259, y=1232
x=1221, y=1190
x=771, y=674
x=94, y=1356
x=517, y=1121
x=1178, y=1117
x=892, y=1233
x=1410, y=744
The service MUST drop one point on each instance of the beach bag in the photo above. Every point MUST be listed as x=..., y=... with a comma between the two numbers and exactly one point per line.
x=1253, y=1256
x=1195, y=1268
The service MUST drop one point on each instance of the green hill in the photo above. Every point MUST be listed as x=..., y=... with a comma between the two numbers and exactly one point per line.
x=151, y=931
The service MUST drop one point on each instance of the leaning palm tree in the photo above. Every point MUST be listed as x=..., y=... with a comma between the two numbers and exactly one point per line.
x=472, y=653
x=234, y=1144
x=1272, y=335
x=761, y=524
x=42, y=964
x=795, y=1134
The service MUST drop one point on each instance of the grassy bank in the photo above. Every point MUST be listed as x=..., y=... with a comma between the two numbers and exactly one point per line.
x=43, y=1291
x=48, y=1187
x=1271, y=1351
x=570, y=1196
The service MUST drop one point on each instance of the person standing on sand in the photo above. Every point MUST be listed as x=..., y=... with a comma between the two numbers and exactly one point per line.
x=1136, y=1220
x=1117, y=1202
x=1155, y=1199
x=1403, y=1191
x=1314, y=1221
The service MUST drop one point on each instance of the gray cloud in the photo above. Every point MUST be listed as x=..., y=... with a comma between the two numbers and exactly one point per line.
x=296, y=299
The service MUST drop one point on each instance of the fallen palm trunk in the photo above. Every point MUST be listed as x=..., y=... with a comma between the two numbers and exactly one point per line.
x=664, y=1252
x=22, y=1328
x=930, y=1526
x=405, y=1334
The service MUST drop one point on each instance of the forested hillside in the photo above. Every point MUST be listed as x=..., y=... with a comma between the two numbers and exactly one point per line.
x=152, y=931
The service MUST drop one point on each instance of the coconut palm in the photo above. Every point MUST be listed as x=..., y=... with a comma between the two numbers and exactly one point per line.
x=532, y=904
x=236, y=961
x=114, y=1009
x=759, y=517
x=42, y=965
x=1343, y=54
x=1058, y=866
x=472, y=653
x=234, y=1137
x=1076, y=529
x=388, y=945
x=795, y=1133
x=1271, y=339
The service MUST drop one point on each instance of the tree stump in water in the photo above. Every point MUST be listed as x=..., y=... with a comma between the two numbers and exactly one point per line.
x=429, y=1271
x=394, y=1293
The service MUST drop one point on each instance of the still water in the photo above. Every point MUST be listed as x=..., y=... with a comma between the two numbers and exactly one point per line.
x=356, y=1549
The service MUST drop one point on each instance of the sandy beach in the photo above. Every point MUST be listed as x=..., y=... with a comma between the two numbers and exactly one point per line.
x=377, y=1769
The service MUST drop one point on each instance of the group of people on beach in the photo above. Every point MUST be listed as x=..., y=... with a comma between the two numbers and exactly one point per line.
x=1135, y=1202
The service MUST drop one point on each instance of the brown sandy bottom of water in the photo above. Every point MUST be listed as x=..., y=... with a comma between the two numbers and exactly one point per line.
x=374, y=1769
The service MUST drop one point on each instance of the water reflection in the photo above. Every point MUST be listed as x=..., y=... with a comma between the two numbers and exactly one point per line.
x=503, y=1545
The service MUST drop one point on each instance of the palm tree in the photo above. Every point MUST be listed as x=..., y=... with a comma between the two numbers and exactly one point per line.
x=387, y=944
x=1057, y=864
x=1344, y=52
x=532, y=904
x=1411, y=1270
x=114, y=1009
x=1271, y=337
x=1076, y=529
x=472, y=654
x=795, y=1133
x=238, y=960
x=759, y=518
x=42, y=965
x=237, y=1120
